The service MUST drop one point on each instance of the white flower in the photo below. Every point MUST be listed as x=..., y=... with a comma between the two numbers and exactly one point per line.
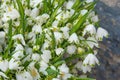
x=2, y=37
x=83, y=12
x=91, y=60
x=80, y=66
x=47, y=35
x=59, y=16
x=72, y=11
x=4, y=65
x=86, y=69
x=73, y=38
x=66, y=15
x=89, y=29
x=33, y=71
x=43, y=67
x=14, y=64
x=19, y=37
x=69, y=4
x=11, y=14
x=88, y=1
x=64, y=72
x=28, y=50
x=35, y=57
x=55, y=23
x=65, y=31
x=45, y=45
x=3, y=75
x=45, y=16
x=58, y=36
x=42, y=19
x=19, y=47
x=59, y=51
x=53, y=67
x=34, y=12
x=18, y=55
x=34, y=3
x=91, y=41
x=37, y=29
x=27, y=12
x=71, y=49
x=46, y=56
x=23, y=76
x=101, y=33
x=55, y=79
x=32, y=37
x=95, y=19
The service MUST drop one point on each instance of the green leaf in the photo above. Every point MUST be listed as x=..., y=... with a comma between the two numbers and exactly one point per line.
x=10, y=31
x=7, y=50
x=53, y=15
x=22, y=17
x=58, y=63
x=74, y=56
x=28, y=3
x=79, y=24
x=76, y=4
x=53, y=45
x=52, y=72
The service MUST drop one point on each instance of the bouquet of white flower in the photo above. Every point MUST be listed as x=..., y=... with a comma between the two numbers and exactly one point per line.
x=48, y=39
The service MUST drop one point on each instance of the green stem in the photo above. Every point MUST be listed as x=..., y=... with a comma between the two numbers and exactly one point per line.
x=22, y=17
x=7, y=50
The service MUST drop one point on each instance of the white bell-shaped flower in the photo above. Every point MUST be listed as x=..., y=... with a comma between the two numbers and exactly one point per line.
x=25, y=75
x=18, y=55
x=101, y=33
x=33, y=71
x=2, y=37
x=83, y=12
x=19, y=47
x=92, y=42
x=19, y=37
x=34, y=12
x=95, y=18
x=14, y=64
x=3, y=75
x=91, y=60
x=59, y=51
x=10, y=14
x=43, y=67
x=65, y=31
x=89, y=29
x=46, y=56
x=73, y=38
x=58, y=36
x=35, y=57
x=64, y=72
x=69, y=4
x=4, y=65
x=34, y=3
x=88, y=1
x=83, y=68
x=71, y=49
x=37, y=29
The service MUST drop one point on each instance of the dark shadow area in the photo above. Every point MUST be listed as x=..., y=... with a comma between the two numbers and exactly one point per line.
x=109, y=52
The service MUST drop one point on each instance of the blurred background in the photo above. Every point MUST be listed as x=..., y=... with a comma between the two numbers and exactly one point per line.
x=109, y=53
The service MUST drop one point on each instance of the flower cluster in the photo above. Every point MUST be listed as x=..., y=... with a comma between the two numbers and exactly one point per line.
x=48, y=39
